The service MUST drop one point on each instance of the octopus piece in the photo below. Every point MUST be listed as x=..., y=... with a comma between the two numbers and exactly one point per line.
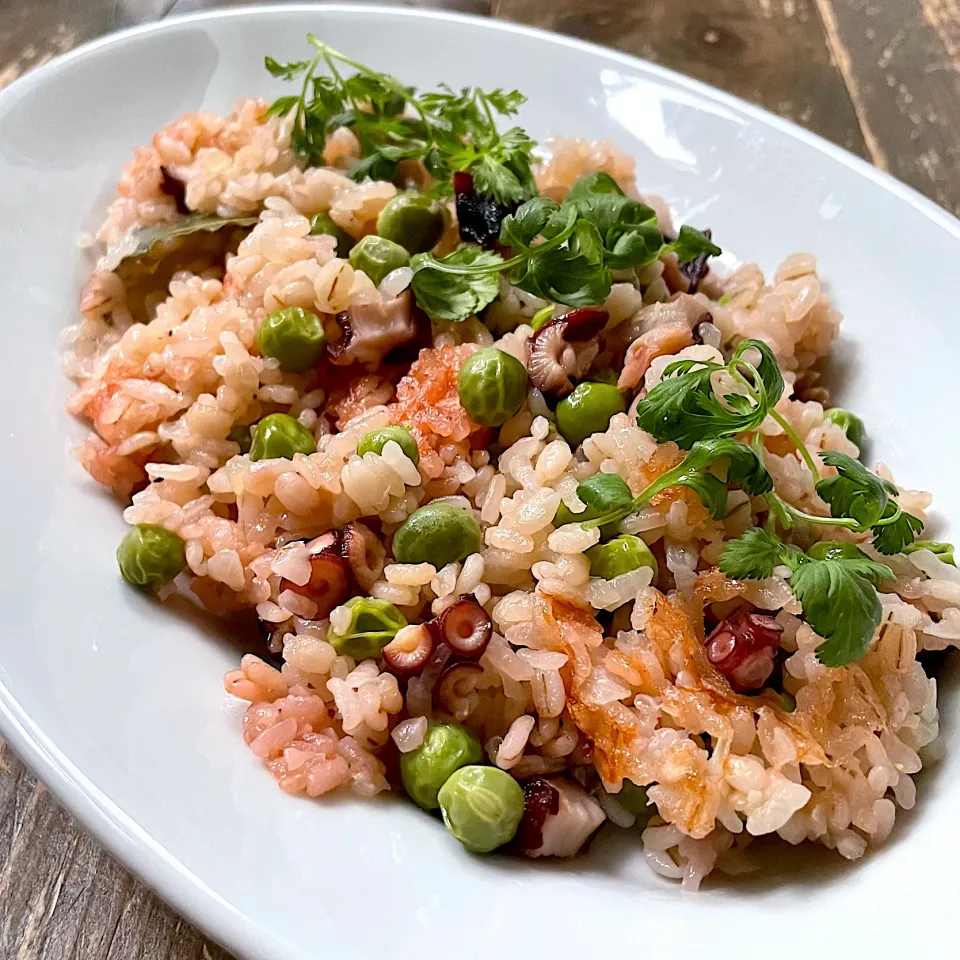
x=744, y=648
x=372, y=330
x=562, y=350
x=330, y=576
x=658, y=331
x=456, y=689
x=559, y=817
x=364, y=552
x=466, y=627
x=409, y=651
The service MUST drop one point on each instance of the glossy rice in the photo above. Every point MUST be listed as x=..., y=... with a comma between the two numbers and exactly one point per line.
x=167, y=365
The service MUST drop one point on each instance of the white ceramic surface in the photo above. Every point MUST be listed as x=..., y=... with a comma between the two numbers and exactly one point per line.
x=117, y=702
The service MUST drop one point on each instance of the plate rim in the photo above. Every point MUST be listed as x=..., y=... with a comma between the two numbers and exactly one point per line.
x=119, y=833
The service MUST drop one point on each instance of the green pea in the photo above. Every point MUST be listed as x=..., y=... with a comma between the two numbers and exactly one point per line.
x=241, y=434
x=542, y=316
x=150, y=555
x=377, y=256
x=604, y=375
x=482, y=807
x=293, y=336
x=446, y=747
x=413, y=220
x=850, y=423
x=438, y=533
x=373, y=624
x=323, y=223
x=588, y=410
x=634, y=799
x=788, y=702
x=376, y=440
x=944, y=551
x=620, y=555
x=280, y=435
x=492, y=386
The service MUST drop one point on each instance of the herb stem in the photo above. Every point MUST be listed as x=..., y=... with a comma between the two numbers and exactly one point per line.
x=893, y=518
x=846, y=522
x=300, y=118
x=383, y=78
x=482, y=97
x=665, y=480
x=798, y=443
x=514, y=261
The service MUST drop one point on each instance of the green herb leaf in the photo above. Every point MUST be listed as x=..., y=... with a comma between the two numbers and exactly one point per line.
x=604, y=491
x=692, y=243
x=751, y=556
x=520, y=229
x=566, y=267
x=503, y=169
x=944, y=551
x=767, y=368
x=863, y=496
x=834, y=581
x=281, y=106
x=897, y=536
x=573, y=273
x=608, y=500
x=854, y=559
x=841, y=605
x=286, y=71
x=449, y=131
x=140, y=242
x=684, y=407
x=627, y=229
x=507, y=103
x=594, y=184
x=635, y=247
x=855, y=492
x=746, y=469
x=711, y=490
x=376, y=166
x=455, y=296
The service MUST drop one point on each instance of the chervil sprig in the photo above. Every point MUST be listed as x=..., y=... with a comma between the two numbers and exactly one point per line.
x=609, y=499
x=685, y=406
x=692, y=403
x=561, y=253
x=833, y=581
x=861, y=495
x=448, y=131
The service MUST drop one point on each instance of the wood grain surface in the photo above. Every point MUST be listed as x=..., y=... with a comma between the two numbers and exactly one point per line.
x=880, y=77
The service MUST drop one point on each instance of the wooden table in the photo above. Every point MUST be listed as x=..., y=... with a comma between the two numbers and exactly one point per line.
x=880, y=77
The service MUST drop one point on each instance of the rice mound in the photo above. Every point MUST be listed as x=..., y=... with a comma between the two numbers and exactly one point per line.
x=164, y=381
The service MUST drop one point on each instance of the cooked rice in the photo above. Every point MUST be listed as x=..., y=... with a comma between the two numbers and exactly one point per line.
x=556, y=691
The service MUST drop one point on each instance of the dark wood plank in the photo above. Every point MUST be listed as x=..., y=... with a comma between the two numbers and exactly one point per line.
x=772, y=52
x=881, y=77
x=62, y=896
x=902, y=65
x=480, y=7
x=33, y=32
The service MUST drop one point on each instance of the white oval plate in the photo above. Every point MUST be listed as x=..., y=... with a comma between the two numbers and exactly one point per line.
x=117, y=702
